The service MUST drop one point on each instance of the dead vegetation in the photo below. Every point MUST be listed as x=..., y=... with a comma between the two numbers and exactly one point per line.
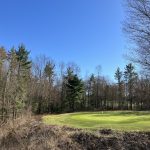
x=30, y=134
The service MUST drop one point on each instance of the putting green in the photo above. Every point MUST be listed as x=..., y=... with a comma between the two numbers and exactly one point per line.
x=118, y=120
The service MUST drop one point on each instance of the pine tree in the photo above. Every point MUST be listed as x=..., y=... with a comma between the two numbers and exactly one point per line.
x=74, y=90
x=49, y=74
x=49, y=71
x=118, y=77
x=92, y=94
x=23, y=75
x=130, y=78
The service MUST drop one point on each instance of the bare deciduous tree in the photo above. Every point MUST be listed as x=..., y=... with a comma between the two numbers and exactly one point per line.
x=137, y=28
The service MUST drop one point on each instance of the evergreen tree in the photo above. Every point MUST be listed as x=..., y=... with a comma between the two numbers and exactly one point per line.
x=74, y=90
x=23, y=75
x=49, y=71
x=49, y=74
x=92, y=93
x=130, y=77
x=118, y=77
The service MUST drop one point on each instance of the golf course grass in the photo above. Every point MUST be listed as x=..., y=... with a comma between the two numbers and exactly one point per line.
x=116, y=120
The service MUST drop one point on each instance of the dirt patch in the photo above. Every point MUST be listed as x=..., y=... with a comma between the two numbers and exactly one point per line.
x=136, y=141
x=91, y=141
x=115, y=141
x=106, y=131
x=33, y=135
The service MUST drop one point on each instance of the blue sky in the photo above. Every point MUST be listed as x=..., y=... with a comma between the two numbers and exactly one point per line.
x=87, y=32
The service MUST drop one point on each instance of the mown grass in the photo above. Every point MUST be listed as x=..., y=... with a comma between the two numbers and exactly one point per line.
x=116, y=120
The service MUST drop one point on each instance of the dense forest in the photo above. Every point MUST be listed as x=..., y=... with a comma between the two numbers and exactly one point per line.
x=35, y=85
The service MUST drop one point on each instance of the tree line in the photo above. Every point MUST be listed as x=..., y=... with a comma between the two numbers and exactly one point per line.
x=36, y=86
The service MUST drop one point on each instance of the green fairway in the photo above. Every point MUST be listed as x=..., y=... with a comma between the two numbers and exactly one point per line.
x=120, y=120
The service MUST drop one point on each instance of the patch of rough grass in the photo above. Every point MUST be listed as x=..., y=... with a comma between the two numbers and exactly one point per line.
x=31, y=134
x=116, y=120
x=34, y=135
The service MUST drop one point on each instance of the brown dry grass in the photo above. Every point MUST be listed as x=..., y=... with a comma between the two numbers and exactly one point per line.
x=28, y=133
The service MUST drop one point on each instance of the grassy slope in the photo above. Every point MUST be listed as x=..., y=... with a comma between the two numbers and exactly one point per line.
x=120, y=120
